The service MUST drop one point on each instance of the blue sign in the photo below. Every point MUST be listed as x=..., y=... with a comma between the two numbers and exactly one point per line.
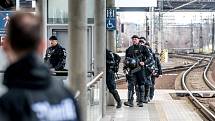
x=111, y=19
x=4, y=20
x=111, y=24
x=111, y=13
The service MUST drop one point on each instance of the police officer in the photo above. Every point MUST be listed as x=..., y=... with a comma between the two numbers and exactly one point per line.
x=137, y=59
x=142, y=41
x=32, y=94
x=111, y=63
x=55, y=55
x=156, y=73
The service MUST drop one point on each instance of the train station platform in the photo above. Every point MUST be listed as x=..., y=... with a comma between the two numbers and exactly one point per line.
x=162, y=108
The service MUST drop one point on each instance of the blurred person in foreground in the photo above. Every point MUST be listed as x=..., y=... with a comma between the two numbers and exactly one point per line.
x=55, y=55
x=32, y=94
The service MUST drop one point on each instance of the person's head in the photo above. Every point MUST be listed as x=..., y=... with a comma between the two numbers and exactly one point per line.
x=142, y=38
x=135, y=39
x=141, y=42
x=53, y=41
x=23, y=35
x=147, y=44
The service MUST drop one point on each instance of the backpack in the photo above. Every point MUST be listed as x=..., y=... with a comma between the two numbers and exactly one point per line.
x=117, y=60
x=112, y=61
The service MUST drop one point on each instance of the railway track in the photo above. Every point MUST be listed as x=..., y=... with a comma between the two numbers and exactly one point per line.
x=193, y=58
x=169, y=74
x=195, y=79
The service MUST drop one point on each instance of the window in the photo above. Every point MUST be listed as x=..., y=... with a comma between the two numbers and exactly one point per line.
x=57, y=11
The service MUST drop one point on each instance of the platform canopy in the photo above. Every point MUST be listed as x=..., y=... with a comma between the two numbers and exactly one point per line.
x=166, y=5
x=136, y=3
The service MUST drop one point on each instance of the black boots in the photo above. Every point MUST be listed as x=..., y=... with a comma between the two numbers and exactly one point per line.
x=117, y=98
x=147, y=92
x=141, y=96
x=130, y=99
x=137, y=92
x=151, y=94
x=129, y=103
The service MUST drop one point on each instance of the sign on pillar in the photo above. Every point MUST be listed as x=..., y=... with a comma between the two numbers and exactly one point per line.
x=4, y=20
x=111, y=18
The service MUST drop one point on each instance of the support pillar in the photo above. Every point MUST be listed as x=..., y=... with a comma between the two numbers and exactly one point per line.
x=111, y=45
x=159, y=43
x=78, y=52
x=41, y=10
x=213, y=35
x=151, y=33
x=111, y=35
x=100, y=46
x=191, y=35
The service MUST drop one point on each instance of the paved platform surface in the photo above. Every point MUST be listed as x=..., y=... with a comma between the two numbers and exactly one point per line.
x=161, y=108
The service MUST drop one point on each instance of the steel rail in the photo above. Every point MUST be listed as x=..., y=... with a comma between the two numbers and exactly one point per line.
x=201, y=106
x=207, y=81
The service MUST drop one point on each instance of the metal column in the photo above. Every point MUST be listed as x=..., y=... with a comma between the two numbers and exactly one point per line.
x=201, y=48
x=111, y=44
x=147, y=29
x=41, y=9
x=100, y=46
x=191, y=35
x=213, y=35
x=78, y=52
x=17, y=5
x=159, y=43
x=151, y=33
x=111, y=35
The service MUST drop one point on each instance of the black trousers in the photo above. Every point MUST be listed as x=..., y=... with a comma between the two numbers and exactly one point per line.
x=152, y=87
x=134, y=79
x=110, y=81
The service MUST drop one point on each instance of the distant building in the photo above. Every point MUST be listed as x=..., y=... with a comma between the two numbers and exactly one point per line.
x=130, y=29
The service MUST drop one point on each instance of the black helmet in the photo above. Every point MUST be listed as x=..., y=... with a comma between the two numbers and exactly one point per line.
x=131, y=62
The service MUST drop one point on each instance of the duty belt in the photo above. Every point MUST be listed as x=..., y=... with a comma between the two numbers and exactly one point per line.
x=136, y=69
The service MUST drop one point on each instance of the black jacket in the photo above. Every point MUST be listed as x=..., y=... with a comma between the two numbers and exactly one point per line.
x=158, y=65
x=143, y=54
x=56, y=57
x=158, y=69
x=33, y=96
x=112, y=61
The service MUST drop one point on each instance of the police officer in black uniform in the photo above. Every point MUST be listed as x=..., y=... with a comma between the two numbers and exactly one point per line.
x=137, y=59
x=32, y=94
x=55, y=55
x=148, y=74
x=142, y=41
x=112, y=60
x=156, y=73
